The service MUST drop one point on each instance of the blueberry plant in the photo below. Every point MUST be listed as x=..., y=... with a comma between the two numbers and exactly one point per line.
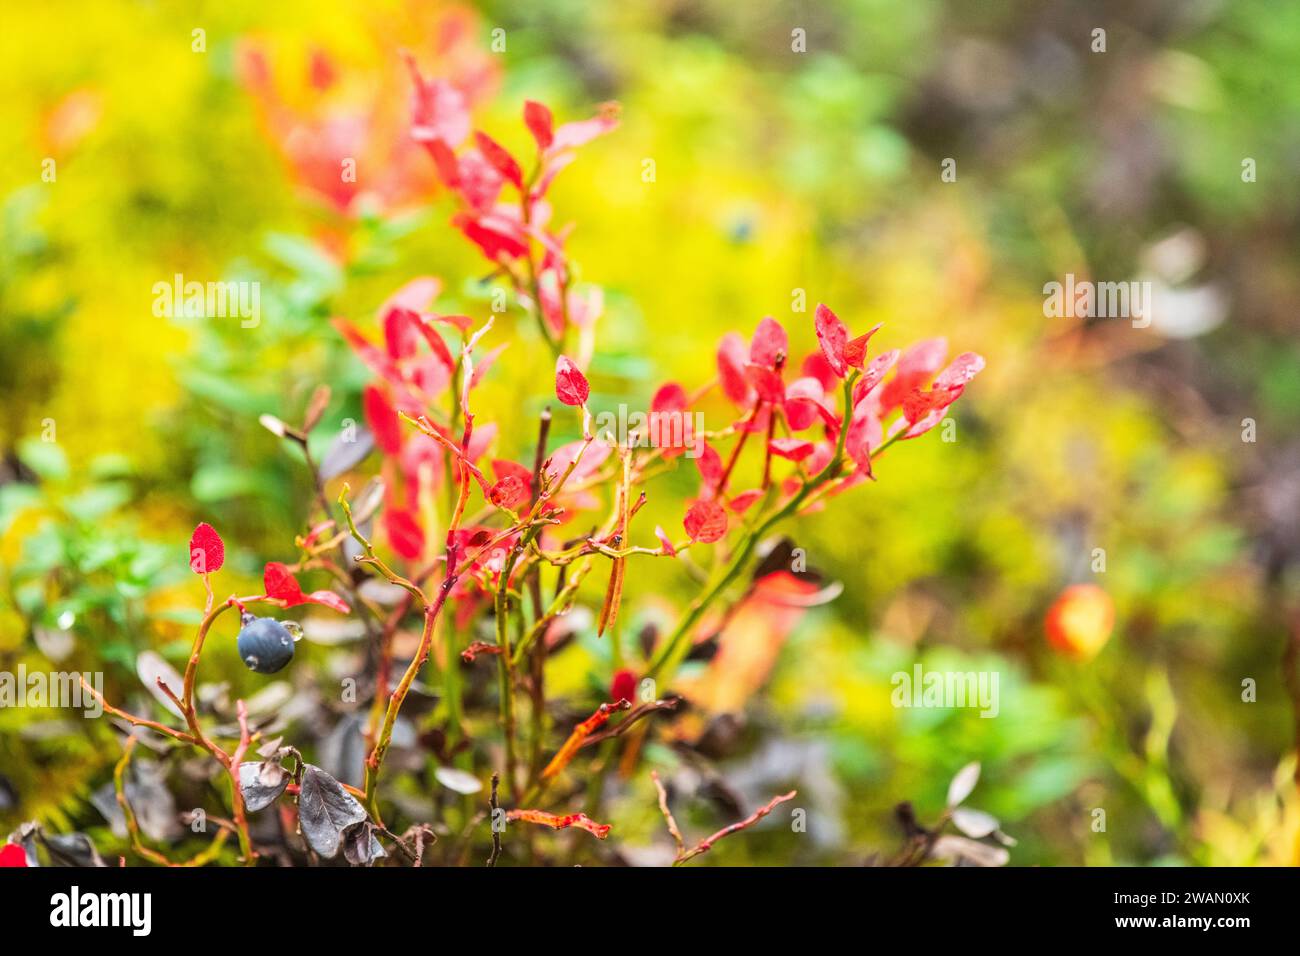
x=486, y=556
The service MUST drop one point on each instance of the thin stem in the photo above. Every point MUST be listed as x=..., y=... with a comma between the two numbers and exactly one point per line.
x=668, y=814
x=677, y=645
x=492, y=820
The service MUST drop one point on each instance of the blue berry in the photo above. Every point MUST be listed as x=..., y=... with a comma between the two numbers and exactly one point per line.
x=264, y=644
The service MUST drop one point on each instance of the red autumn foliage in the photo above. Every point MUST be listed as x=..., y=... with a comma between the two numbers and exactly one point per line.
x=705, y=521
x=12, y=855
x=571, y=386
x=510, y=552
x=282, y=586
x=207, y=550
x=623, y=686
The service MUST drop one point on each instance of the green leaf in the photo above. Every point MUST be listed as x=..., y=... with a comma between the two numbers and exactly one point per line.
x=97, y=501
x=221, y=482
x=14, y=500
x=302, y=256
x=45, y=458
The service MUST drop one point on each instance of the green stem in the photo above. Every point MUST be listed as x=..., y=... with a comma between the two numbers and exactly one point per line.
x=505, y=660
x=376, y=758
x=674, y=650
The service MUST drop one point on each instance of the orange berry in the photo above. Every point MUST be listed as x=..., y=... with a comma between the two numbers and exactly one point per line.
x=1080, y=621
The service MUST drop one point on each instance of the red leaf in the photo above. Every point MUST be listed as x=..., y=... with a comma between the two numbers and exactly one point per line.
x=552, y=167
x=382, y=419
x=623, y=686
x=429, y=375
x=794, y=449
x=767, y=382
x=864, y=434
x=561, y=822
x=743, y=501
x=435, y=342
x=571, y=386
x=482, y=366
x=670, y=398
x=207, y=550
x=500, y=159
x=281, y=585
x=613, y=596
x=920, y=403
x=816, y=366
x=575, y=134
x=709, y=463
x=594, y=456
x=508, y=492
x=770, y=345
x=705, y=521
x=871, y=376
x=665, y=541
x=477, y=180
x=540, y=123
x=416, y=295
x=668, y=424
x=731, y=368
x=479, y=442
x=915, y=367
x=960, y=371
x=491, y=235
x=804, y=402
x=855, y=352
x=377, y=360
x=505, y=468
x=573, y=744
x=439, y=111
x=12, y=855
x=321, y=70
x=444, y=160
x=832, y=336
x=462, y=322
x=404, y=533
x=401, y=332
x=328, y=599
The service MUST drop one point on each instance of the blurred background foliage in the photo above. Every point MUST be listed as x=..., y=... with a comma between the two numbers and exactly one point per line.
x=774, y=171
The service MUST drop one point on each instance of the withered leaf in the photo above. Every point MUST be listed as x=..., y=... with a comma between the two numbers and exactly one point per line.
x=150, y=667
x=325, y=811
x=347, y=451
x=360, y=845
x=70, y=849
x=261, y=782
x=154, y=806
